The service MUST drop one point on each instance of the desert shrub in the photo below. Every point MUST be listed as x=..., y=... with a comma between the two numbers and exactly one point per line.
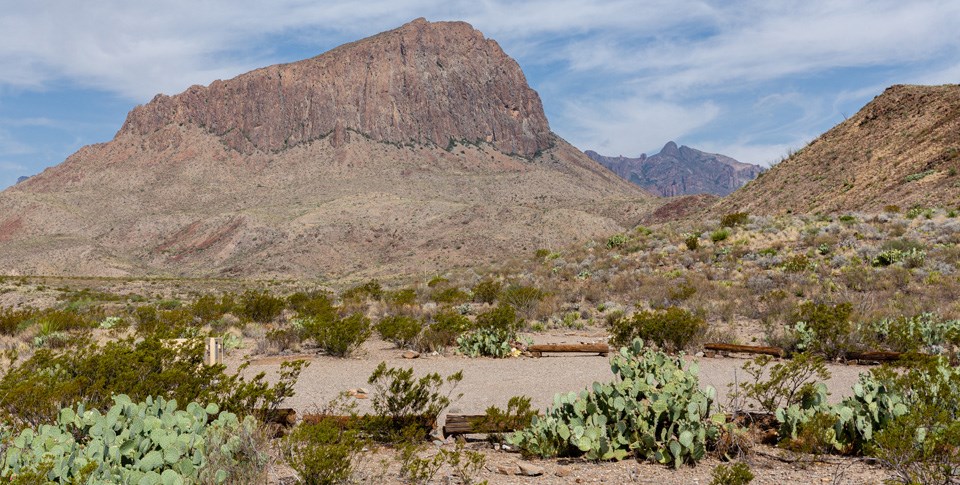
x=149, y=442
x=784, y=383
x=719, y=235
x=912, y=258
x=797, y=263
x=617, y=241
x=314, y=304
x=734, y=219
x=822, y=328
x=494, y=333
x=449, y=296
x=208, y=308
x=338, y=336
x=322, y=452
x=891, y=209
x=438, y=280
x=523, y=298
x=692, y=241
x=371, y=290
x=402, y=330
x=737, y=474
x=541, y=253
x=631, y=415
x=35, y=390
x=487, y=291
x=465, y=464
x=12, y=320
x=518, y=415
x=671, y=329
x=403, y=297
x=405, y=401
x=443, y=330
x=260, y=306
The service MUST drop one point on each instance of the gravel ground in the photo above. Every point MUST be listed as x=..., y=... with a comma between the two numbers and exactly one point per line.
x=489, y=382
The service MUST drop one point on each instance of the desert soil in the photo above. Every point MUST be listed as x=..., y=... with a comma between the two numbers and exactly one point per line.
x=491, y=382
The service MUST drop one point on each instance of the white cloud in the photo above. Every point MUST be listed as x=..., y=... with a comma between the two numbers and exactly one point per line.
x=625, y=126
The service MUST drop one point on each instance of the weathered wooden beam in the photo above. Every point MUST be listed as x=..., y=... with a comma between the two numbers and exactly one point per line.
x=745, y=349
x=594, y=348
x=472, y=423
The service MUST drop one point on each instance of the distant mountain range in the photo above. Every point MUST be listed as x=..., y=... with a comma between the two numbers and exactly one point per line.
x=681, y=171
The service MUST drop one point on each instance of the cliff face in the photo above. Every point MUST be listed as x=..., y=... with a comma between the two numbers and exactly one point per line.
x=413, y=151
x=421, y=83
x=681, y=170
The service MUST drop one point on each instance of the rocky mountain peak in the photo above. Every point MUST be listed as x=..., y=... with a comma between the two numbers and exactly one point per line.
x=424, y=82
x=670, y=150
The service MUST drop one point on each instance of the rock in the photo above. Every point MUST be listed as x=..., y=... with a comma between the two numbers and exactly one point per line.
x=699, y=354
x=511, y=469
x=563, y=471
x=411, y=354
x=529, y=469
x=425, y=82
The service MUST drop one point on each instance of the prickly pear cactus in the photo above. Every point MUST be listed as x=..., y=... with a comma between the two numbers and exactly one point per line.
x=152, y=442
x=655, y=410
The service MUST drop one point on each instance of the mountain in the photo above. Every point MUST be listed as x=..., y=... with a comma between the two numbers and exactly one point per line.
x=681, y=171
x=902, y=148
x=22, y=178
x=411, y=151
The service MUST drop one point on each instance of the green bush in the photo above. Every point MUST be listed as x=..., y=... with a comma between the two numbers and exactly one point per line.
x=784, y=383
x=486, y=342
x=654, y=410
x=260, y=306
x=719, y=235
x=37, y=388
x=797, y=263
x=323, y=452
x=449, y=296
x=338, y=336
x=822, y=328
x=403, y=297
x=737, y=474
x=371, y=290
x=523, y=298
x=671, y=329
x=147, y=442
x=925, y=332
x=443, y=330
x=734, y=219
x=692, y=241
x=401, y=330
x=12, y=321
x=315, y=304
x=487, y=291
x=405, y=401
x=617, y=241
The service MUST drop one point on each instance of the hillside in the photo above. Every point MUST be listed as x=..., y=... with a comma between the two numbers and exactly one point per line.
x=902, y=149
x=412, y=150
x=681, y=171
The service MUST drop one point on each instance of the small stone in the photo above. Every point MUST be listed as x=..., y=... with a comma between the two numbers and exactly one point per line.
x=360, y=395
x=529, y=469
x=710, y=355
x=698, y=354
x=411, y=354
x=510, y=469
x=563, y=471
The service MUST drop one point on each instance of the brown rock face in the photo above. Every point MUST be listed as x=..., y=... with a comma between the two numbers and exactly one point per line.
x=681, y=170
x=422, y=83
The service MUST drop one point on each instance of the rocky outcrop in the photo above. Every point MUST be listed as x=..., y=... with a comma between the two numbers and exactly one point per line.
x=424, y=82
x=681, y=170
x=409, y=153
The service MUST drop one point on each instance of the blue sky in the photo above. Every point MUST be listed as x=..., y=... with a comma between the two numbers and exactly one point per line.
x=750, y=79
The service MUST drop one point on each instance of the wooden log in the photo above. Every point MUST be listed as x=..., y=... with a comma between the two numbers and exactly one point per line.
x=595, y=348
x=876, y=356
x=746, y=349
x=456, y=424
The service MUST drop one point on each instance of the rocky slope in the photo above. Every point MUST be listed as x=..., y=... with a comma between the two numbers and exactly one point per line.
x=681, y=171
x=416, y=149
x=902, y=148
